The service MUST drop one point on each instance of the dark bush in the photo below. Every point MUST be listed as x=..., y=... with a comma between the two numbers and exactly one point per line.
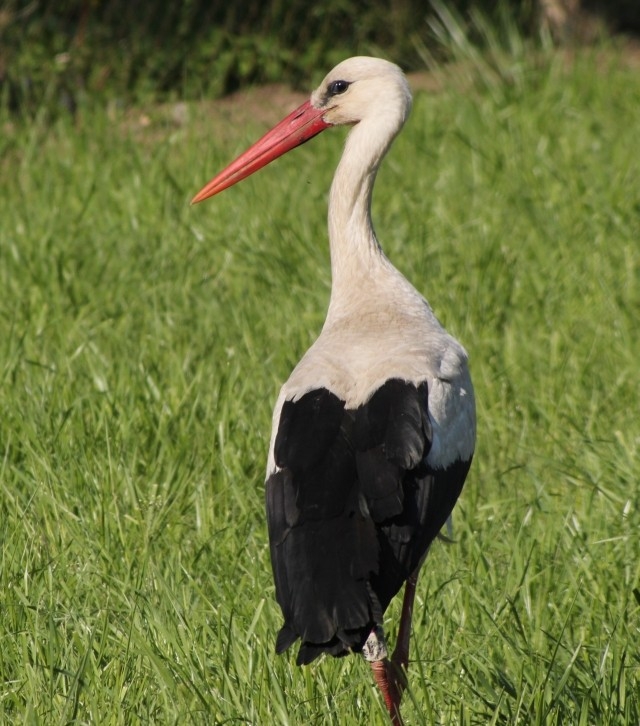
x=57, y=52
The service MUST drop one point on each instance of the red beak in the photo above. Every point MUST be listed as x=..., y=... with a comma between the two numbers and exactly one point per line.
x=299, y=126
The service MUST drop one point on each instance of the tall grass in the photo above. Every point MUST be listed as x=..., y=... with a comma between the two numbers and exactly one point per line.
x=142, y=345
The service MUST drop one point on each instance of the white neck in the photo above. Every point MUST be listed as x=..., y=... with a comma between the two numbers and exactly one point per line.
x=357, y=259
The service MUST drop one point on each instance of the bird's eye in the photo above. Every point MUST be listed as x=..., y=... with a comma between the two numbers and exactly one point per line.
x=338, y=87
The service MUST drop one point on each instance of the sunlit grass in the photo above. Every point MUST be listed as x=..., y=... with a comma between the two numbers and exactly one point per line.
x=142, y=345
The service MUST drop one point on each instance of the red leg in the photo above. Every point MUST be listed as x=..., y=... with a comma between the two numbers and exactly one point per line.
x=400, y=657
x=390, y=675
x=383, y=672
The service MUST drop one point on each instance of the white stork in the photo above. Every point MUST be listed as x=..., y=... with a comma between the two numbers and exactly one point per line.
x=374, y=431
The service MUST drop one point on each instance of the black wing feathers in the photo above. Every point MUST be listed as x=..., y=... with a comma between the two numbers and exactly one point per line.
x=392, y=435
x=351, y=511
x=314, y=521
x=307, y=429
x=396, y=418
x=404, y=540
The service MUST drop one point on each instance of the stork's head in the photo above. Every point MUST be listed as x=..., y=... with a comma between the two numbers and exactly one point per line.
x=357, y=90
x=361, y=88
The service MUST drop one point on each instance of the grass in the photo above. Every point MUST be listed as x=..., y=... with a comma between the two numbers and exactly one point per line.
x=142, y=345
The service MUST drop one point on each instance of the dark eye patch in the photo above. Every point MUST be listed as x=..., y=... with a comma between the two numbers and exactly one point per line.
x=337, y=87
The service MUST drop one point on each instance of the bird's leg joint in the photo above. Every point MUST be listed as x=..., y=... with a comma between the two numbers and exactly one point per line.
x=375, y=646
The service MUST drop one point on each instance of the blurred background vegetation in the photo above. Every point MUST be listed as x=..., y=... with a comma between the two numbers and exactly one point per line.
x=59, y=53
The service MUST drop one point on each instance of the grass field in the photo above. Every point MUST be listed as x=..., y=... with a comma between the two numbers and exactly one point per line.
x=142, y=344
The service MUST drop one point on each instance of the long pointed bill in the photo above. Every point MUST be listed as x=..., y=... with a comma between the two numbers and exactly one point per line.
x=299, y=126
